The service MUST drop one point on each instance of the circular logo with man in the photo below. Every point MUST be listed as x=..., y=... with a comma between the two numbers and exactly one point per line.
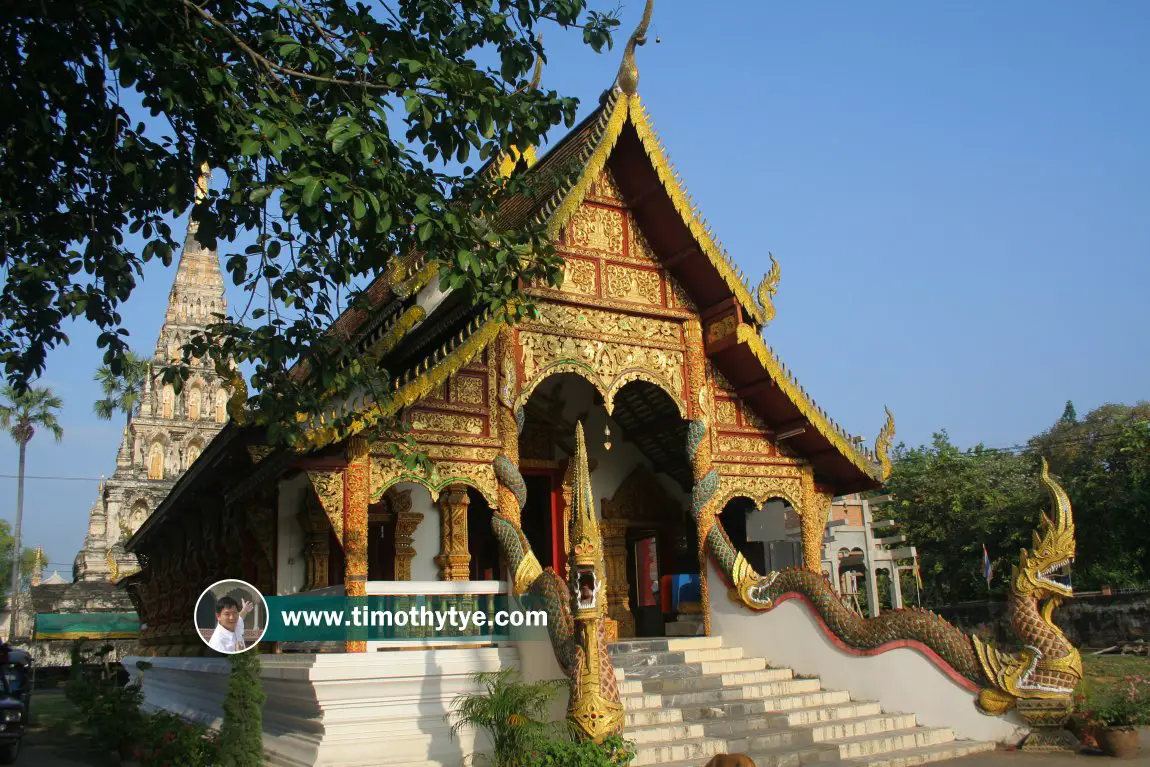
x=231, y=616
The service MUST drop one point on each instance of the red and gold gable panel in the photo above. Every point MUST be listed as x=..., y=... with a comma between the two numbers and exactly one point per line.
x=458, y=410
x=608, y=261
x=739, y=435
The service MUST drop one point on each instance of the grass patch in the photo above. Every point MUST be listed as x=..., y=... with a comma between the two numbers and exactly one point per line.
x=56, y=724
x=1101, y=671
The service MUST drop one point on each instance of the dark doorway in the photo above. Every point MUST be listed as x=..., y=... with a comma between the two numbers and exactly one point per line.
x=381, y=551
x=538, y=517
x=482, y=544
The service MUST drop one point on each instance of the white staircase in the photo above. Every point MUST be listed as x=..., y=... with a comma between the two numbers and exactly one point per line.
x=689, y=698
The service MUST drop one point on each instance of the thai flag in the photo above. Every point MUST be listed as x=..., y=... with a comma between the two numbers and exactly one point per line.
x=987, y=567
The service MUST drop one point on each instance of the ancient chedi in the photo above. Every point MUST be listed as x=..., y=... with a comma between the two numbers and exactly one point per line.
x=169, y=430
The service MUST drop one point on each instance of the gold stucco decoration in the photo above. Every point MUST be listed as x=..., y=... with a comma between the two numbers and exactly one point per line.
x=767, y=290
x=882, y=445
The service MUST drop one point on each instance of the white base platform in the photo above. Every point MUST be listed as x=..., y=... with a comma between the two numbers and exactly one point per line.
x=352, y=710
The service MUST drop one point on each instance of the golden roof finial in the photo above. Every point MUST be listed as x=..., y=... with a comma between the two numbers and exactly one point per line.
x=203, y=181
x=767, y=289
x=882, y=445
x=628, y=79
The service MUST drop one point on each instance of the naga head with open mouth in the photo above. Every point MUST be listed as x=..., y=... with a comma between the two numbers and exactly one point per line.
x=1044, y=571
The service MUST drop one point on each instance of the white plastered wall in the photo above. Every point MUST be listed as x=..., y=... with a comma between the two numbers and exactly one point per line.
x=901, y=680
x=425, y=539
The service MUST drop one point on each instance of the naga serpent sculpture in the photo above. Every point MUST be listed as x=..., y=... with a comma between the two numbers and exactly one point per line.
x=1048, y=667
x=575, y=623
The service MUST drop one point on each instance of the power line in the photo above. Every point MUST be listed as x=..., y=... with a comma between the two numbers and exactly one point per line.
x=41, y=476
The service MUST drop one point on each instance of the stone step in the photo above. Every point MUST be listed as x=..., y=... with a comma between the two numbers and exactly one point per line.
x=886, y=742
x=664, y=644
x=696, y=668
x=771, y=690
x=696, y=751
x=810, y=735
x=915, y=756
x=744, y=707
x=664, y=733
x=655, y=714
x=633, y=659
x=641, y=702
x=783, y=758
x=797, y=717
x=669, y=685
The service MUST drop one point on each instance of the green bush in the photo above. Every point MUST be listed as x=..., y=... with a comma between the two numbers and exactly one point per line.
x=241, y=742
x=113, y=714
x=570, y=752
x=511, y=711
x=169, y=741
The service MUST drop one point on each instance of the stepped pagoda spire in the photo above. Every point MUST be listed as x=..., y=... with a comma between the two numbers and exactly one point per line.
x=197, y=292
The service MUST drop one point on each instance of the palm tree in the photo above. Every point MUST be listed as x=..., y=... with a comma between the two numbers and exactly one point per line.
x=124, y=391
x=20, y=415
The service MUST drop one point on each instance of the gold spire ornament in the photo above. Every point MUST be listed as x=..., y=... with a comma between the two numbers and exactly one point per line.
x=595, y=708
x=767, y=290
x=628, y=79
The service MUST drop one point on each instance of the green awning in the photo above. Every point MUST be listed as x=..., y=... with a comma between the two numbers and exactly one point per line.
x=87, y=625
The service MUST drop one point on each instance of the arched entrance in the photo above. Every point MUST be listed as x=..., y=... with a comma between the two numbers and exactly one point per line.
x=768, y=536
x=641, y=479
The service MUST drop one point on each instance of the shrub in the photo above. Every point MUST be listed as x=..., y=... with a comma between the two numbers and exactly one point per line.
x=1127, y=705
x=570, y=752
x=169, y=741
x=511, y=711
x=241, y=741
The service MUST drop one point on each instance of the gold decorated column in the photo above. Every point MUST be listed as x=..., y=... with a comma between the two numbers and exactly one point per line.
x=813, y=518
x=406, y=521
x=454, y=560
x=356, y=480
x=615, y=557
x=705, y=476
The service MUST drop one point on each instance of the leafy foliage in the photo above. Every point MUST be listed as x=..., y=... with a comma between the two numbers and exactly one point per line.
x=241, y=740
x=27, y=558
x=949, y=502
x=1126, y=704
x=339, y=129
x=111, y=710
x=514, y=714
x=1103, y=462
x=123, y=391
x=172, y=742
x=572, y=752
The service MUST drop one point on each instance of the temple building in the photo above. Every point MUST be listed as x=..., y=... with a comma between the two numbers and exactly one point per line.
x=655, y=344
x=169, y=430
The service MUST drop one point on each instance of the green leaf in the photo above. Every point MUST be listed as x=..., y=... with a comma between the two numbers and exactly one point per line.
x=312, y=191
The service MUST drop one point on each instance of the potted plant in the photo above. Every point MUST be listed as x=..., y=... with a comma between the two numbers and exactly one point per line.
x=1116, y=715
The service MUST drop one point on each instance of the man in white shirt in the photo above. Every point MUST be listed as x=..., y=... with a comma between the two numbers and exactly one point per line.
x=229, y=634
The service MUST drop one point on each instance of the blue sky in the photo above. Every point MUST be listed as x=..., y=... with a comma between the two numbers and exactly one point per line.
x=958, y=195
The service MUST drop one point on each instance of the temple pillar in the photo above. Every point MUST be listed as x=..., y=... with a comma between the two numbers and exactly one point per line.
x=813, y=516
x=356, y=499
x=615, y=558
x=406, y=521
x=895, y=587
x=705, y=477
x=454, y=560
